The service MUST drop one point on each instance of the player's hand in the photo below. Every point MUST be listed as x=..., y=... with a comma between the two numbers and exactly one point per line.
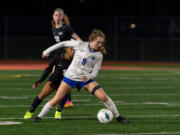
x=36, y=85
x=103, y=50
x=44, y=56
x=84, y=79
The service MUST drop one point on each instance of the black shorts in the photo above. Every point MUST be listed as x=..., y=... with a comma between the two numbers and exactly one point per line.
x=56, y=77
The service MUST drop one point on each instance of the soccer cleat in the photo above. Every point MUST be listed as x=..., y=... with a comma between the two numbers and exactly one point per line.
x=28, y=115
x=68, y=104
x=37, y=119
x=122, y=119
x=57, y=115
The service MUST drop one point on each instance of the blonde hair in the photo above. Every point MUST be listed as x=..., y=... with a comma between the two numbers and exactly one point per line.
x=65, y=18
x=93, y=36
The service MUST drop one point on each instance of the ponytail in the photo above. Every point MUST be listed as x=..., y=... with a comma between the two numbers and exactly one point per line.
x=66, y=20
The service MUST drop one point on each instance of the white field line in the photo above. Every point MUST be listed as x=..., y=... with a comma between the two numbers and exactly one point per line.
x=101, y=82
x=93, y=117
x=17, y=89
x=106, y=88
x=100, y=104
x=77, y=117
x=28, y=75
x=121, y=76
x=27, y=97
x=111, y=95
x=141, y=77
x=9, y=123
x=149, y=133
x=15, y=83
x=139, y=82
x=14, y=97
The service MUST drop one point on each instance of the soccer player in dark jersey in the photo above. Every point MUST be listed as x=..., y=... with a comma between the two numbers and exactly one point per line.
x=61, y=27
x=61, y=62
x=62, y=31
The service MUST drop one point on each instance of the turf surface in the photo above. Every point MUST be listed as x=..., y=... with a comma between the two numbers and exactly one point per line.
x=149, y=98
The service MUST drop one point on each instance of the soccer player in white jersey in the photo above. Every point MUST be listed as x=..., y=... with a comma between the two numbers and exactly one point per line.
x=82, y=70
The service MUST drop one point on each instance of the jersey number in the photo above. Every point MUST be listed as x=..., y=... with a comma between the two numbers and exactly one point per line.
x=84, y=61
x=57, y=38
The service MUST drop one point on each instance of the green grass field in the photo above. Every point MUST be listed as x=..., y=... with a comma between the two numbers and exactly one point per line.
x=151, y=99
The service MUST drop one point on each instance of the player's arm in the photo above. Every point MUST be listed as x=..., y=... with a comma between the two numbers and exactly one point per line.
x=46, y=72
x=53, y=69
x=75, y=36
x=71, y=32
x=71, y=43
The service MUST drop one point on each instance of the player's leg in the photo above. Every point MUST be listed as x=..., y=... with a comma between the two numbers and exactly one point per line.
x=56, y=78
x=61, y=92
x=47, y=89
x=96, y=90
x=68, y=103
x=60, y=107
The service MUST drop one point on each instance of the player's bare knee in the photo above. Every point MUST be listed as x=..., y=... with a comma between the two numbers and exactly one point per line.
x=42, y=95
x=104, y=98
x=96, y=91
x=55, y=100
x=96, y=88
x=52, y=86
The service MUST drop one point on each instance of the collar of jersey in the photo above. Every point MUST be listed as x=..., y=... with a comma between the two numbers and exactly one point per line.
x=60, y=26
x=91, y=49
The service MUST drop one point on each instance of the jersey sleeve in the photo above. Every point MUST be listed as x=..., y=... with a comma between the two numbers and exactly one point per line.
x=96, y=68
x=69, y=31
x=71, y=43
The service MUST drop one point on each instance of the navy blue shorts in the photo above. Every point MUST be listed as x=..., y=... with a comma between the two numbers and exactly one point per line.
x=74, y=84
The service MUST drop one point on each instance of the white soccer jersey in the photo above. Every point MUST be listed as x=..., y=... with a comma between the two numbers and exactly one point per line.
x=86, y=62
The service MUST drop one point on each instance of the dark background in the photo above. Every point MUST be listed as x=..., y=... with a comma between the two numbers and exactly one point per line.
x=25, y=28
x=92, y=7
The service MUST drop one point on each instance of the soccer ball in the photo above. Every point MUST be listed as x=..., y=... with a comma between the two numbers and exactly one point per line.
x=105, y=116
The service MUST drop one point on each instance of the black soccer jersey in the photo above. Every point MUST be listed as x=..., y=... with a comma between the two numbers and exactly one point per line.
x=63, y=33
x=60, y=64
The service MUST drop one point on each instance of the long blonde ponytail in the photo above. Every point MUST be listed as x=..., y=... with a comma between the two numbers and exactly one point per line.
x=66, y=20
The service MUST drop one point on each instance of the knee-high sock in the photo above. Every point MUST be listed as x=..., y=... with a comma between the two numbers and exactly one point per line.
x=45, y=110
x=68, y=96
x=62, y=103
x=111, y=106
x=35, y=104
